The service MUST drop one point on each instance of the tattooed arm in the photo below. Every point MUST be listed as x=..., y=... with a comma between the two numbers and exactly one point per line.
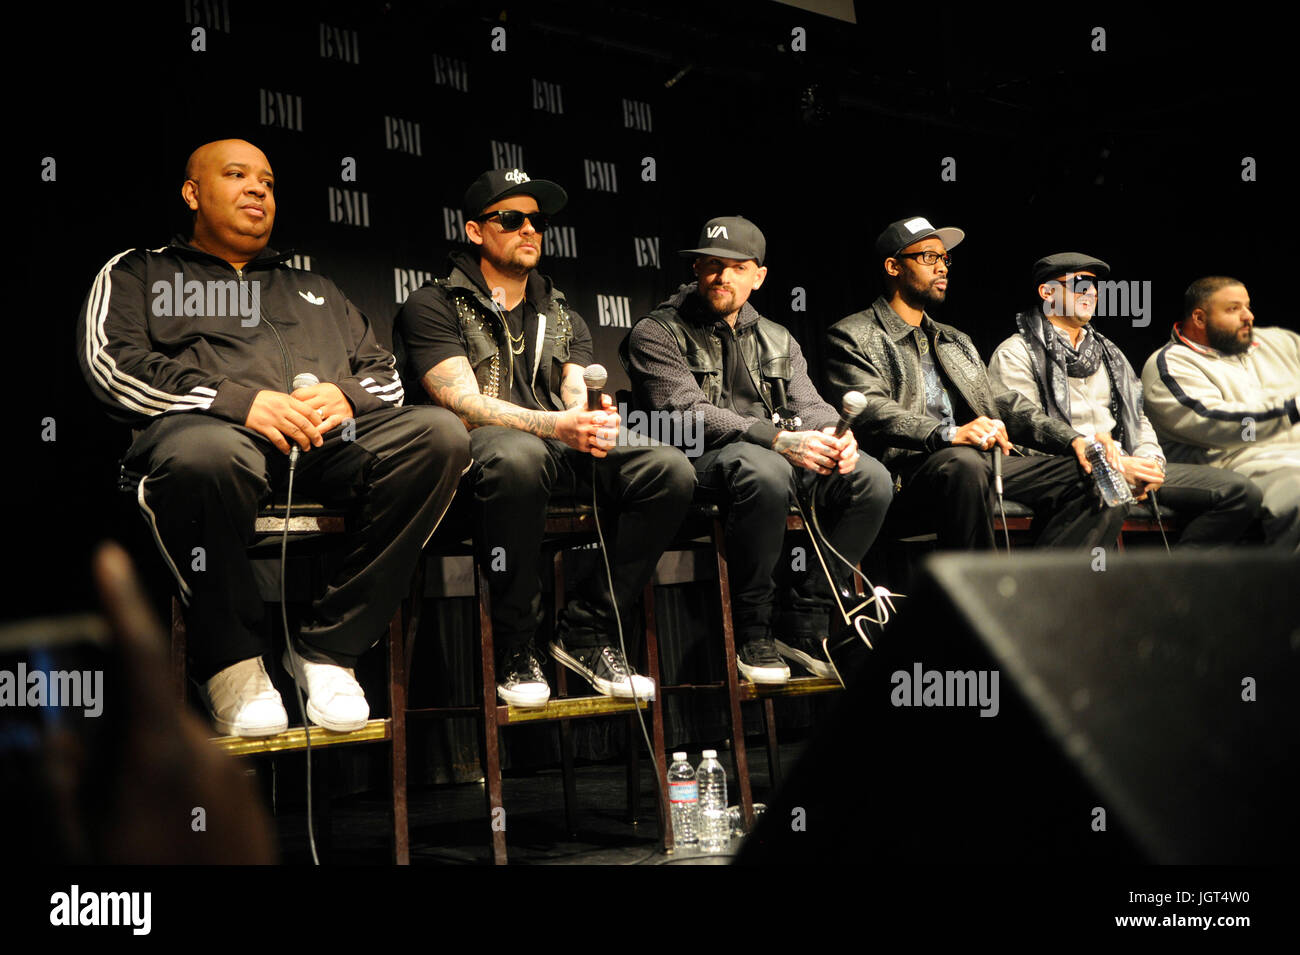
x=451, y=383
x=818, y=451
x=573, y=390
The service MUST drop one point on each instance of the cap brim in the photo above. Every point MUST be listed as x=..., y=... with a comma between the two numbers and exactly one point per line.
x=551, y=198
x=719, y=252
x=1095, y=266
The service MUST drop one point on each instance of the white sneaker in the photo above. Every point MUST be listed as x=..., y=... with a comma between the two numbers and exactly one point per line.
x=335, y=699
x=243, y=702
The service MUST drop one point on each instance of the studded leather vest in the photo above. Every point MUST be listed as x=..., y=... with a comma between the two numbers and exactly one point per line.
x=487, y=339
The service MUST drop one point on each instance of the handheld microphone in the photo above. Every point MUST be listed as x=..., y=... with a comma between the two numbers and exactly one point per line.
x=852, y=405
x=304, y=379
x=997, y=470
x=594, y=377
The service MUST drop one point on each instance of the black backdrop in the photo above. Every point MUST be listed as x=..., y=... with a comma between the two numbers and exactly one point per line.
x=1133, y=153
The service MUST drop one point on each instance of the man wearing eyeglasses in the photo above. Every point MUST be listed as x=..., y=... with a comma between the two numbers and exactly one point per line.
x=496, y=343
x=1058, y=361
x=921, y=377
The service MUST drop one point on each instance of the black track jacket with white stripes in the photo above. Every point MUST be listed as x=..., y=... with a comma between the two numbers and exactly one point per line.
x=177, y=329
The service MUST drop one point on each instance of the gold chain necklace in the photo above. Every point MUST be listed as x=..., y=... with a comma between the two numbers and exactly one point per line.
x=516, y=346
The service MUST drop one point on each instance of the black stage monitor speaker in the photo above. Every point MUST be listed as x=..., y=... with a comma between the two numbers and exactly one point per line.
x=1054, y=707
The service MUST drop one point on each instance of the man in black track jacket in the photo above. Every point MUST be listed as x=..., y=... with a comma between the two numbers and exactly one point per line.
x=197, y=346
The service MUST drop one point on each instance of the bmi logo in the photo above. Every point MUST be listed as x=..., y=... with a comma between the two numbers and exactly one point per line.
x=547, y=97
x=600, y=175
x=212, y=14
x=636, y=115
x=451, y=72
x=717, y=230
x=300, y=261
x=349, y=207
x=402, y=135
x=562, y=242
x=453, y=224
x=614, y=310
x=407, y=281
x=505, y=155
x=647, y=251
x=337, y=43
x=281, y=109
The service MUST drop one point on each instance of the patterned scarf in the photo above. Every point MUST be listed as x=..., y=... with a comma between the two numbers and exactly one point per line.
x=1054, y=365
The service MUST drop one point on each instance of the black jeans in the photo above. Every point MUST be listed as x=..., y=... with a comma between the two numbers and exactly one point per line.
x=206, y=479
x=642, y=494
x=1220, y=504
x=759, y=486
x=948, y=492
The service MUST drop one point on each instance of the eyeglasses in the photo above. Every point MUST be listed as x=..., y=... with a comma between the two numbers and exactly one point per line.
x=928, y=258
x=1078, y=284
x=512, y=220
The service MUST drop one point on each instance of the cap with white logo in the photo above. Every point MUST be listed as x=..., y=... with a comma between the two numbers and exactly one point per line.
x=899, y=235
x=497, y=184
x=730, y=237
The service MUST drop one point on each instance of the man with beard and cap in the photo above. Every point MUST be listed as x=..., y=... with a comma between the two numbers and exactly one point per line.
x=768, y=436
x=1062, y=364
x=499, y=345
x=921, y=377
x=1223, y=392
x=204, y=348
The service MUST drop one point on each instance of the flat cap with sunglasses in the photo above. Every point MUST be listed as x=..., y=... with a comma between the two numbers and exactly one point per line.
x=497, y=184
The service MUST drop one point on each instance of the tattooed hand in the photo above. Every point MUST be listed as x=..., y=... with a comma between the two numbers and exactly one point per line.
x=815, y=450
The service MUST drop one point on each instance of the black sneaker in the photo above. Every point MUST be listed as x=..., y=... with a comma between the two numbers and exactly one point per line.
x=760, y=663
x=808, y=652
x=605, y=669
x=520, y=680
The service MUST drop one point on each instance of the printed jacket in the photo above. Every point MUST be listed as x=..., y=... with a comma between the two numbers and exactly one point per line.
x=868, y=352
x=176, y=329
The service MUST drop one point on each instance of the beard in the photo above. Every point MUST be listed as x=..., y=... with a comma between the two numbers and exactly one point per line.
x=1228, y=342
x=719, y=307
x=922, y=296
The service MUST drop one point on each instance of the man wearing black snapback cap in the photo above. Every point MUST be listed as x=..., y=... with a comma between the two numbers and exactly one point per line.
x=767, y=434
x=499, y=345
x=921, y=377
x=1058, y=361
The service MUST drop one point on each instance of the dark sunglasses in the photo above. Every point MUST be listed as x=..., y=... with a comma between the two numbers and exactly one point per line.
x=512, y=220
x=1078, y=284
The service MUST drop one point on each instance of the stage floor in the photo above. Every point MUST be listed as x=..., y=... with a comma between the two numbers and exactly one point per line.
x=449, y=823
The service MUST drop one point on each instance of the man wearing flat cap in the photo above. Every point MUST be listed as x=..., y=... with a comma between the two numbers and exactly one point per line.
x=498, y=344
x=1062, y=364
x=921, y=378
x=768, y=435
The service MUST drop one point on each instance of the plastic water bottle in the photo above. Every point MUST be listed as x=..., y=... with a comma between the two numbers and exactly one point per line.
x=1110, y=481
x=715, y=827
x=684, y=797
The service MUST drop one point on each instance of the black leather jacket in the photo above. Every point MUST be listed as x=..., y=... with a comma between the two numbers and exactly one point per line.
x=874, y=352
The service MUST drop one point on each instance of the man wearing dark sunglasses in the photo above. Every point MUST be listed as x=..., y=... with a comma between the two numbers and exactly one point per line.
x=920, y=378
x=496, y=343
x=1058, y=361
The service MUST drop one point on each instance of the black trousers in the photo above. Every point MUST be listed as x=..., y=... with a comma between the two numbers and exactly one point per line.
x=1220, y=504
x=642, y=494
x=206, y=479
x=759, y=485
x=948, y=492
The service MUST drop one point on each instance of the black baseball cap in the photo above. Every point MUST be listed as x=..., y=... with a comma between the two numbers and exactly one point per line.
x=1052, y=266
x=899, y=235
x=497, y=184
x=730, y=237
